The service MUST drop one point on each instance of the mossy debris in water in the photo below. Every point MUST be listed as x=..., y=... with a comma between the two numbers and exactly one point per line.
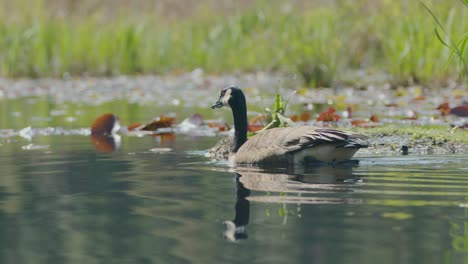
x=415, y=140
x=390, y=140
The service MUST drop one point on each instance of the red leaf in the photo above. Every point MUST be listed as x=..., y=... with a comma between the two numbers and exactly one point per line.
x=133, y=126
x=305, y=117
x=461, y=110
x=104, y=124
x=161, y=122
x=444, y=108
x=374, y=118
x=294, y=118
x=254, y=128
x=328, y=117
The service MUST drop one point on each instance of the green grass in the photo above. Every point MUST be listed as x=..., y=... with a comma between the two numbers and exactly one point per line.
x=456, y=47
x=318, y=42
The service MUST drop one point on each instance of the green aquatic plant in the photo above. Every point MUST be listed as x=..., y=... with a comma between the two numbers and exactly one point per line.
x=276, y=117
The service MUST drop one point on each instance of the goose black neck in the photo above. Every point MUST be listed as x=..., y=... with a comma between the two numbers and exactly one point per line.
x=239, y=113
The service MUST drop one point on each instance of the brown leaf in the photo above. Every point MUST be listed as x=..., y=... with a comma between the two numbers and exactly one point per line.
x=104, y=124
x=418, y=99
x=374, y=118
x=161, y=122
x=461, y=110
x=294, y=118
x=133, y=126
x=305, y=116
x=444, y=108
x=329, y=115
x=258, y=119
x=254, y=127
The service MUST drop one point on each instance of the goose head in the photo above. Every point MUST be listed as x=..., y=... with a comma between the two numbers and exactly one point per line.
x=231, y=96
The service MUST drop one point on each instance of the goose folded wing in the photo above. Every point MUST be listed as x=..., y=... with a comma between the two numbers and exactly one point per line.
x=317, y=136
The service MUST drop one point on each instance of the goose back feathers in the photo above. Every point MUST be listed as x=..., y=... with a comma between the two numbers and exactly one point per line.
x=297, y=145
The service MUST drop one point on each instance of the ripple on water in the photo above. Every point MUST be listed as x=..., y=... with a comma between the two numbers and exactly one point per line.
x=385, y=181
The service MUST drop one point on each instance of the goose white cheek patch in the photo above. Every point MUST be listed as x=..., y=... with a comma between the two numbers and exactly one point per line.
x=226, y=97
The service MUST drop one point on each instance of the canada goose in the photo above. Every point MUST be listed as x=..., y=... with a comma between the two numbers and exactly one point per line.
x=285, y=145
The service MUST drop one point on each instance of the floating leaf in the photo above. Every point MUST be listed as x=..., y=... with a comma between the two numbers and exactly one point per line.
x=444, y=108
x=329, y=116
x=294, y=118
x=461, y=110
x=106, y=124
x=418, y=98
x=305, y=116
x=254, y=127
x=161, y=122
x=133, y=126
x=374, y=118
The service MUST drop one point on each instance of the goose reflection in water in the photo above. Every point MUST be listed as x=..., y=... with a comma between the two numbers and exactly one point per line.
x=317, y=185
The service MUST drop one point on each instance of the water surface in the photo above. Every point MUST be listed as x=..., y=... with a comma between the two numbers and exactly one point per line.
x=62, y=201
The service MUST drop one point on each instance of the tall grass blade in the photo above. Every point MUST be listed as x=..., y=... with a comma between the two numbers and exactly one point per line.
x=465, y=2
x=454, y=47
x=440, y=38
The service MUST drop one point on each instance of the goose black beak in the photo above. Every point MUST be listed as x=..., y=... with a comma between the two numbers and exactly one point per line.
x=218, y=104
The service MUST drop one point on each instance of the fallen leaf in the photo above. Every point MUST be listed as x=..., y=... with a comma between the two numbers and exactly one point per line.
x=444, y=108
x=294, y=118
x=329, y=115
x=161, y=122
x=374, y=118
x=461, y=111
x=133, y=126
x=254, y=127
x=418, y=99
x=258, y=119
x=106, y=124
x=305, y=116
x=220, y=127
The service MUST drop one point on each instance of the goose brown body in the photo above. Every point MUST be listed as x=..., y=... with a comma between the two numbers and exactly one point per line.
x=289, y=145
x=286, y=145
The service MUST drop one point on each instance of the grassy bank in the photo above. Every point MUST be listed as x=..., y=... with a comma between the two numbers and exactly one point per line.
x=318, y=41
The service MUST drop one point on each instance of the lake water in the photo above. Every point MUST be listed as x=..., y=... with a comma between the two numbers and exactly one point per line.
x=162, y=201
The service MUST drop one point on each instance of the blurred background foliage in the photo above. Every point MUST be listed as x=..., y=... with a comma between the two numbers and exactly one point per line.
x=319, y=40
